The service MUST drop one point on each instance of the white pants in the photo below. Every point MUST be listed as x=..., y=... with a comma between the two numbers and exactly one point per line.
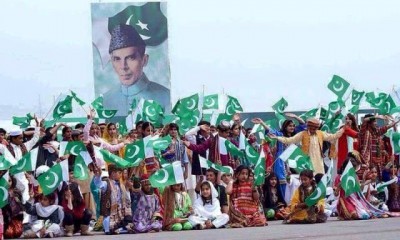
x=218, y=222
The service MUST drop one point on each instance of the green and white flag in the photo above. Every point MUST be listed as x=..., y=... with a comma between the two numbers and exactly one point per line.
x=22, y=122
x=211, y=102
x=63, y=107
x=232, y=106
x=205, y=163
x=77, y=99
x=111, y=158
x=387, y=106
x=333, y=107
x=147, y=19
x=280, y=106
x=356, y=97
x=152, y=112
x=259, y=170
x=7, y=160
x=310, y=114
x=226, y=146
x=52, y=178
x=72, y=147
x=159, y=143
x=380, y=187
x=4, y=191
x=395, y=139
x=251, y=154
x=257, y=128
x=135, y=152
x=170, y=175
x=338, y=86
x=185, y=106
x=354, y=109
x=348, y=180
x=122, y=127
x=281, y=119
x=319, y=193
x=98, y=103
x=81, y=170
x=27, y=163
x=106, y=114
x=296, y=158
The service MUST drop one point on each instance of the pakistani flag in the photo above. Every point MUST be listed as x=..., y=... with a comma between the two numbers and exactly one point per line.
x=106, y=114
x=63, y=107
x=232, y=106
x=23, y=122
x=135, y=152
x=121, y=127
x=257, y=128
x=280, y=106
x=259, y=170
x=7, y=160
x=152, y=112
x=111, y=158
x=77, y=99
x=335, y=123
x=170, y=175
x=395, y=139
x=98, y=103
x=72, y=147
x=387, y=106
x=319, y=193
x=226, y=146
x=333, y=107
x=211, y=102
x=281, y=118
x=296, y=158
x=148, y=20
x=185, y=106
x=338, y=86
x=251, y=154
x=354, y=109
x=3, y=191
x=27, y=163
x=205, y=163
x=356, y=97
x=52, y=178
x=348, y=181
x=81, y=170
x=160, y=143
x=395, y=110
x=380, y=187
x=310, y=114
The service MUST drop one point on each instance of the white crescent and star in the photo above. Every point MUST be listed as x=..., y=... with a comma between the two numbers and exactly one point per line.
x=166, y=175
x=141, y=25
x=105, y=115
x=249, y=155
x=236, y=104
x=135, y=152
x=334, y=110
x=356, y=97
x=53, y=185
x=319, y=193
x=72, y=151
x=23, y=165
x=210, y=102
x=228, y=110
x=336, y=87
x=79, y=165
x=350, y=179
x=192, y=104
x=147, y=111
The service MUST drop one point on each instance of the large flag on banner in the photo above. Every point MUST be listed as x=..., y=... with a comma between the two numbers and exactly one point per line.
x=356, y=97
x=4, y=191
x=27, y=163
x=205, y=163
x=7, y=160
x=280, y=106
x=338, y=86
x=63, y=107
x=147, y=19
x=319, y=193
x=296, y=158
x=259, y=170
x=211, y=102
x=77, y=99
x=52, y=178
x=170, y=175
x=348, y=180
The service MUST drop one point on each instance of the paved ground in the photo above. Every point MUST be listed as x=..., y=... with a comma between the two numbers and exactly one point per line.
x=376, y=229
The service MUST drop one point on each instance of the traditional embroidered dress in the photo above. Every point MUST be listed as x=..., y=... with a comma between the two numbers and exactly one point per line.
x=243, y=209
x=177, y=205
x=346, y=143
x=312, y=145
x=146, y=214
x=273, y=199
x=208, y=210
x=214, y=154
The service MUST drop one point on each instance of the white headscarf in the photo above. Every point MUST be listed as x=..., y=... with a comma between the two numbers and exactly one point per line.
x=208, y=211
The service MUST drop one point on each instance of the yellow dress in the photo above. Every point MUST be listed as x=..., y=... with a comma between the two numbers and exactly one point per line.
x=313, y=214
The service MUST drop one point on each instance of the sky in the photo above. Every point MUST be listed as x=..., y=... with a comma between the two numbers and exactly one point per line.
x=257, y=51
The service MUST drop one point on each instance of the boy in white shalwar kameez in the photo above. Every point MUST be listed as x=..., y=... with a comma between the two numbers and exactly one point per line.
x=207, y=210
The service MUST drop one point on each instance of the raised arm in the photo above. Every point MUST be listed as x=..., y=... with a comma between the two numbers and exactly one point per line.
x=289, y=140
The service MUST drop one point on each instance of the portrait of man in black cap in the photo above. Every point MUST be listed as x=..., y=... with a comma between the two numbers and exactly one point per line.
x=128, y=57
